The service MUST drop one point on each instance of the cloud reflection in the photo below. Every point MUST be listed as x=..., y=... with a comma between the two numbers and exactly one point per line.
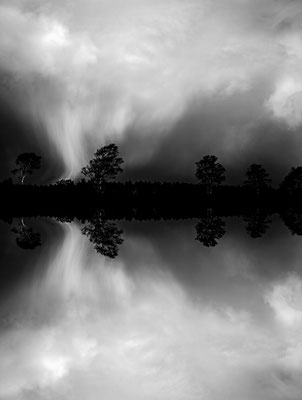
x=89, y=328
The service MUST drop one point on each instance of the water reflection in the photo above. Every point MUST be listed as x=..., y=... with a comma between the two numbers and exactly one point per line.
x=257, y=224
x=293, y=220
x=210, y=229
x=26, y=238
x=167, y=319
x=104, y=234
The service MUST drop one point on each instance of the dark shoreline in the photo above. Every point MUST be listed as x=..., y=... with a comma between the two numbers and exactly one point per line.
x=141, y=200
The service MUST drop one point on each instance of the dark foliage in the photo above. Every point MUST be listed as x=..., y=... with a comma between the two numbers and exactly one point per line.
x=293, y=181
x=210, y=172
x=26, y=238
x=210, y=229
x=105, y=166
x=66, y=200
x=133, y=200
x=26, y=164
x=293, y=220
x=257, y=224
x=64, y=219
x=105, y=236
x=65, y=182
x=257, y=178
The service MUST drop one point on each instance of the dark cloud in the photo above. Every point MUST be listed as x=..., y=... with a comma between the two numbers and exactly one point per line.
x=169, y=81
x=18, y=266
x=187, y=80
x=19, y=134
x=235, y=129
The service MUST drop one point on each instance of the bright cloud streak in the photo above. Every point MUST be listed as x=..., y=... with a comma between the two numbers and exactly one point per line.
x=286, y=301
x=92, y=71
x=88, y=328
x=286, y=101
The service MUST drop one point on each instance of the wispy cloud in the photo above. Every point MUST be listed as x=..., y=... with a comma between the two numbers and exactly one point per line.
x=90, y=328
x=90, y=71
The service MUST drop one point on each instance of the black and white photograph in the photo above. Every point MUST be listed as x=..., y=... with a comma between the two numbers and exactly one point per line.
x=150, y=199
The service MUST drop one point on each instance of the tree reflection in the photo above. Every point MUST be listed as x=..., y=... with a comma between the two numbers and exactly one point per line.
x=26, y=238
x=257, y=224
x=104, y=234
x=210, y=229
x=293, y=221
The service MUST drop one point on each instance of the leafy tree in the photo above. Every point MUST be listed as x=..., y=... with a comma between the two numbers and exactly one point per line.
x=210, y=229
x=104, y=166
x=257, y=224
x=293, y=181
x=293, y=221
x=26, y=164
x=210, y=172
x=105, y=236
x=26, y=238
x=257, y=178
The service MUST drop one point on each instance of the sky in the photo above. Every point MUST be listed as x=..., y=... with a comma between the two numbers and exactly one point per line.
x=192, y=323
x=167, y=81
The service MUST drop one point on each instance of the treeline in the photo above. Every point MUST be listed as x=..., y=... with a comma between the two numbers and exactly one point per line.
x=106, y=236
x=141, y=200
x=95, y=201
x=147, y=200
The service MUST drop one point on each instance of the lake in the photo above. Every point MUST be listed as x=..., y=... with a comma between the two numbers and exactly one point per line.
x=168, y=318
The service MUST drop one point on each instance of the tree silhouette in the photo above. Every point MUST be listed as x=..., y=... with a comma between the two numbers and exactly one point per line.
x=26, y=238
x=105, y=236
x=210, y=172
x=26, y=164
x=65, y=182
x=104, y=166
x=64, y=219
x=257, y=178
x=210, y=229
x=293, y=181
x=257, y=224
x=293, y=221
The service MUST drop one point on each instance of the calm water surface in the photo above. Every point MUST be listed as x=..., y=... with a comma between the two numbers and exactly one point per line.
x=167, y=319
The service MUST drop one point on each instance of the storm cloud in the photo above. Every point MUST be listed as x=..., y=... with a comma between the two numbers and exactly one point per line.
x=143, y=72
x=85, y=326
